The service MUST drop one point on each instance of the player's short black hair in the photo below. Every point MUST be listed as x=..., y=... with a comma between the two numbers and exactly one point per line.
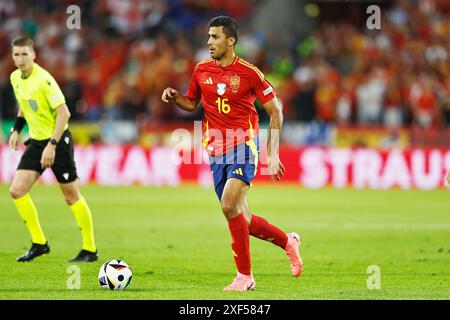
x=23, y=42
x=230, y=26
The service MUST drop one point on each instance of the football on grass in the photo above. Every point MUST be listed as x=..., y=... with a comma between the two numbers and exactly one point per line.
x=115, y=275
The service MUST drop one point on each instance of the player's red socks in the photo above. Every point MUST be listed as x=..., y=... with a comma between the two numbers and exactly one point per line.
x=260, y=228
x=240, y=243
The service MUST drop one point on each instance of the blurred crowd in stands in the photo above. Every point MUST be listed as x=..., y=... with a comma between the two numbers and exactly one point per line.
x=117, y=65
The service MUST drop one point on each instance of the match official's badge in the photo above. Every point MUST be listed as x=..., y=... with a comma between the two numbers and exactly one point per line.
x=221, y=88
x=235, y=82
x=33, y=105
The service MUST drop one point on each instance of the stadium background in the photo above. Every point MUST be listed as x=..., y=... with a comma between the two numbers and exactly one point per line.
x=363, y=108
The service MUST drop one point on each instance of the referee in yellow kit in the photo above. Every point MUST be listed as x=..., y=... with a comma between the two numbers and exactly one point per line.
x=43, y=108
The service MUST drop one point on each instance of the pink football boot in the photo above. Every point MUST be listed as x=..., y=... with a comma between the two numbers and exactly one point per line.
x=292, y=251
x=242, y=282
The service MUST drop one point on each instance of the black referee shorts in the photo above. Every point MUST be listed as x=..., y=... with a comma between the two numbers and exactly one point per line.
x=64, y=166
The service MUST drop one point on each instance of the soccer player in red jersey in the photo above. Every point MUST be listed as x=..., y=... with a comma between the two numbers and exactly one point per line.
x=228, y=85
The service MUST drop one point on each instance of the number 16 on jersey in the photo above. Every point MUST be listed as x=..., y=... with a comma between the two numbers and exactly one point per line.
x=222, y=105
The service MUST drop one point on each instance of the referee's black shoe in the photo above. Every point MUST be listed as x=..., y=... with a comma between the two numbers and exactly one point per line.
x=85, y=256
x=36, y=250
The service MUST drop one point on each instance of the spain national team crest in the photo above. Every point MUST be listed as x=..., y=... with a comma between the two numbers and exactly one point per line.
x=221, y=88
x=235, y=82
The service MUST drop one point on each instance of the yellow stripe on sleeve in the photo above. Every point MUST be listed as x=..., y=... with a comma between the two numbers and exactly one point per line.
x=258, y=72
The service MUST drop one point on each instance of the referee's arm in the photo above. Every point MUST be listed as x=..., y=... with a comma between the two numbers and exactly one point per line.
x=14, y=137
x=62, y=117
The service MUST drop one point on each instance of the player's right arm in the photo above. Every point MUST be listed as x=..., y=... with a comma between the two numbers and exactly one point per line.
x=172, y=95
x=14, y=137
x=190, y=101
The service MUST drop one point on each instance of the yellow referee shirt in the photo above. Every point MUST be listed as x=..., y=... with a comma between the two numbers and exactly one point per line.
x=38, y=95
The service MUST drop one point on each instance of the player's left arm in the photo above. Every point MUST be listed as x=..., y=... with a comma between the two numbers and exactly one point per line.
x=57, y=102
x=274, y=165
x=62, y=118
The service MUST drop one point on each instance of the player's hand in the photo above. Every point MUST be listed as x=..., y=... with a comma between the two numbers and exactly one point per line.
x=275, y=167
x=447, y=179
x=169, y=94
x=48, y=156
x=14, y=140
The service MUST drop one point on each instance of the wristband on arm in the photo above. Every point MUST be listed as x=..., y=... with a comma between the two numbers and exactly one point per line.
x=19, y=124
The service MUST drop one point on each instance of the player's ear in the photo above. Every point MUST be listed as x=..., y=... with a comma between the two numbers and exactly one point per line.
x=231, y=41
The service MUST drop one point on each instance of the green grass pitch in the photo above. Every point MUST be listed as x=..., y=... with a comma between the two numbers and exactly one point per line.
x=178, y=245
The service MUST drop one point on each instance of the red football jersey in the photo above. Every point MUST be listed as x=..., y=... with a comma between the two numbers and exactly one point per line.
x=228, y=94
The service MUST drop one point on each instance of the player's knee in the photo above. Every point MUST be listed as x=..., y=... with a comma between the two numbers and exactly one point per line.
x=71, y=194
x=71, y=198
x=16, y=192
x=228, y=208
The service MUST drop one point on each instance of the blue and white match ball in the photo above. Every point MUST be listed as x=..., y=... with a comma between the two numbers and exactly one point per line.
x=115, y=275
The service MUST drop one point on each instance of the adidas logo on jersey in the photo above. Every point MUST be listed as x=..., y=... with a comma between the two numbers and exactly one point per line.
x=238, y=172
x=208, y=81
